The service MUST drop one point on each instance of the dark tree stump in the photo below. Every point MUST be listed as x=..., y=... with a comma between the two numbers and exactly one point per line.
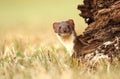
x=103, y=19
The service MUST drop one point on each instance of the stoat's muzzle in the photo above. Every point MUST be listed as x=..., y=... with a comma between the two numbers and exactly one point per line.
x=64, y=30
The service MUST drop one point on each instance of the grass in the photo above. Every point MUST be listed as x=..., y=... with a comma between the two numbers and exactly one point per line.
x=26, y=60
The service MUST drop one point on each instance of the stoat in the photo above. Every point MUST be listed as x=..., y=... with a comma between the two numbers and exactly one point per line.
x=65, y=31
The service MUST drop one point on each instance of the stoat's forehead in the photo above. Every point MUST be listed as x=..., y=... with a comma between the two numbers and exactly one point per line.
x=64, y=24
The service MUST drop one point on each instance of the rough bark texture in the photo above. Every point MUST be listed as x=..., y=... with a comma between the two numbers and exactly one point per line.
x=103, y=19
x=102, y=34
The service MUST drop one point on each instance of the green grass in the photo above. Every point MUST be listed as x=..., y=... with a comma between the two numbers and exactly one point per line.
x=18, y=61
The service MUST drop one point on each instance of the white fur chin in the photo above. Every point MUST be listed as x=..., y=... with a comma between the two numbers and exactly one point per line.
x=67, y=42
x=65, y=34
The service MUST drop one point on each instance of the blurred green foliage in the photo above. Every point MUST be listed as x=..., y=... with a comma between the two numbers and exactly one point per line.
x=38, y=13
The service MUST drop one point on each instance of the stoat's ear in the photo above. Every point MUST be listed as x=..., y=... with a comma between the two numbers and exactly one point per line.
x=55, y=25
x=71, y=22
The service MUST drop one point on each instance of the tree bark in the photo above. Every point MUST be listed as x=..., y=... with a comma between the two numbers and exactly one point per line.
x=103, y=19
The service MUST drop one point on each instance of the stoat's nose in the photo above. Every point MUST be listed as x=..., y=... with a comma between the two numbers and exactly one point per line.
x=64, y=30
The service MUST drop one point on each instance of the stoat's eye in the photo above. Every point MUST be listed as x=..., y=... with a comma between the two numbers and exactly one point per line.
x=59, y=27
x=68, y=26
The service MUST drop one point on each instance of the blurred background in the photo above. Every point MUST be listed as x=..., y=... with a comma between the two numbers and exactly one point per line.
x=33, y=19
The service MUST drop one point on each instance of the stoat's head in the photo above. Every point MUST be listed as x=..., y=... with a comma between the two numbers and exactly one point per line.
x=64, y=28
